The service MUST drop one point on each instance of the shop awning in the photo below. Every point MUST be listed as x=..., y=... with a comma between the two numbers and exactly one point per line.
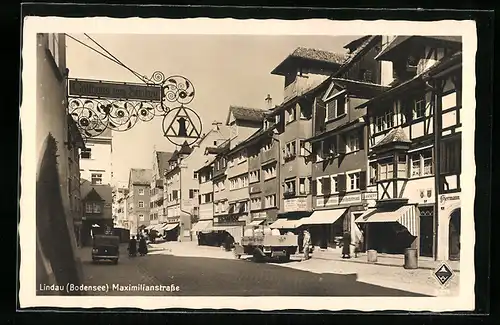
x=404, y=215
x=201, y=225
x=256, y=223
x=286, y=223
x=159, y=226
x=149, y=227
x=169, y=226
x=323, y=217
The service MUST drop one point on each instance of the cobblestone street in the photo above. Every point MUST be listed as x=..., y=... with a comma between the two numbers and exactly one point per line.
x=217, y=273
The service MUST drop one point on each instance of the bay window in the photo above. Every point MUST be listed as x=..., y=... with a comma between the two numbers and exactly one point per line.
x=386, y=168
x=402, y=166
x=373, y=172
x=451, y=153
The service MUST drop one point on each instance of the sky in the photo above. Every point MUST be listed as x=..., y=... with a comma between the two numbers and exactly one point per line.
x=225, y=70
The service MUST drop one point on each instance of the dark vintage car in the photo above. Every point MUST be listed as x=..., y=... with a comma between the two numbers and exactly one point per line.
x=106, y=247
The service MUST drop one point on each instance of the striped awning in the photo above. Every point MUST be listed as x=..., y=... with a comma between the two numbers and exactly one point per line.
x=284, y=223
x=159, y=226
x=404, y=215
x=169, y=226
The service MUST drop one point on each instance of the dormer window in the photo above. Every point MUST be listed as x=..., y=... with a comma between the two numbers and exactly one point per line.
x=335, y=108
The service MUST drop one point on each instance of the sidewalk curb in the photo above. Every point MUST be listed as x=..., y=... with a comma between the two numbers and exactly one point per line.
x=376, y=263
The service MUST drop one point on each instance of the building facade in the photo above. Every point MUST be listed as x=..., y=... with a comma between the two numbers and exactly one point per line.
x=96, y=163
x=231, y=178
x=138, y=199
x=120, y=194
x=98, y=214
x=305, y=72
x=415, y=150
x=339, y=145
x=58, y=204
x=157, y=212
x=183, y=185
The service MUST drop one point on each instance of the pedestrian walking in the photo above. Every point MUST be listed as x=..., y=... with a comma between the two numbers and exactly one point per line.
x=306, y=244
x=143, y=246
x=346, y=245
x=132, y=247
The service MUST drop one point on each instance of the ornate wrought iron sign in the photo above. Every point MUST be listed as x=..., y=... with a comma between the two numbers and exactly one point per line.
x=99, y=105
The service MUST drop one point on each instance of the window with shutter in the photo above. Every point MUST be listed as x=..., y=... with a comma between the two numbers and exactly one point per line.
x=314, y=187
x=341, y=144
x=341, y=183
x=326, y=184
x=362, y=180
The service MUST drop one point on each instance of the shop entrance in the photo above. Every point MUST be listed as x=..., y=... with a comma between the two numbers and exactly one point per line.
x=454, y=235
x=426, y=231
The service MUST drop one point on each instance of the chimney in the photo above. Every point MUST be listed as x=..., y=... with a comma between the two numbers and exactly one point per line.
x=269, y=102
x=215, y=125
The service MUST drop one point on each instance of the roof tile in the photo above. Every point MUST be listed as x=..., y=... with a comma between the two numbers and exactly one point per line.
x=394, y=136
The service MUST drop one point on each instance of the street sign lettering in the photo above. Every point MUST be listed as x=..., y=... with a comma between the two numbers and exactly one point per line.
x=100, y=89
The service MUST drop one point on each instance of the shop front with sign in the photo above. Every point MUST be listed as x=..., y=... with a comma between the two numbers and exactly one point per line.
x=449, y=214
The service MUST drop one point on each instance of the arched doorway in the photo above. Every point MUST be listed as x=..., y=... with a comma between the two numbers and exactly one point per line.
x=454, y=235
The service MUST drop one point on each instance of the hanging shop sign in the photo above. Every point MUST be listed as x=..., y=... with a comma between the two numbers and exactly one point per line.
x=97, y=106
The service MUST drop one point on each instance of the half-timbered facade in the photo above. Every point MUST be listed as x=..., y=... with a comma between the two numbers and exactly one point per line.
x=339, y=171
x=405, y=139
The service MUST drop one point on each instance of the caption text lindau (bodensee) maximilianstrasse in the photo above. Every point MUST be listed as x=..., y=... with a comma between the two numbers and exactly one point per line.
x=109, y=287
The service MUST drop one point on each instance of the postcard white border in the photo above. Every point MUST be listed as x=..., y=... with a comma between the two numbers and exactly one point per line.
x=34, y=25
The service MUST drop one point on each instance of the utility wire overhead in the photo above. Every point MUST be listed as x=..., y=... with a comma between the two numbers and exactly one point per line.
x=142, y=78
x=108, y=56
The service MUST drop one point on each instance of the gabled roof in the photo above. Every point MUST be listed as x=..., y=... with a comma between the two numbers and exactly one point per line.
x=367, y=43
x=310, y=54
x=185, y=149
x=246, y=114
x=360, y=88
x=162, y=159
x=355, y=44
x=439, y=66
x=396, y=135
x=174, y=156
x=388, y=50
x=140, y=176
x=95, y=192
